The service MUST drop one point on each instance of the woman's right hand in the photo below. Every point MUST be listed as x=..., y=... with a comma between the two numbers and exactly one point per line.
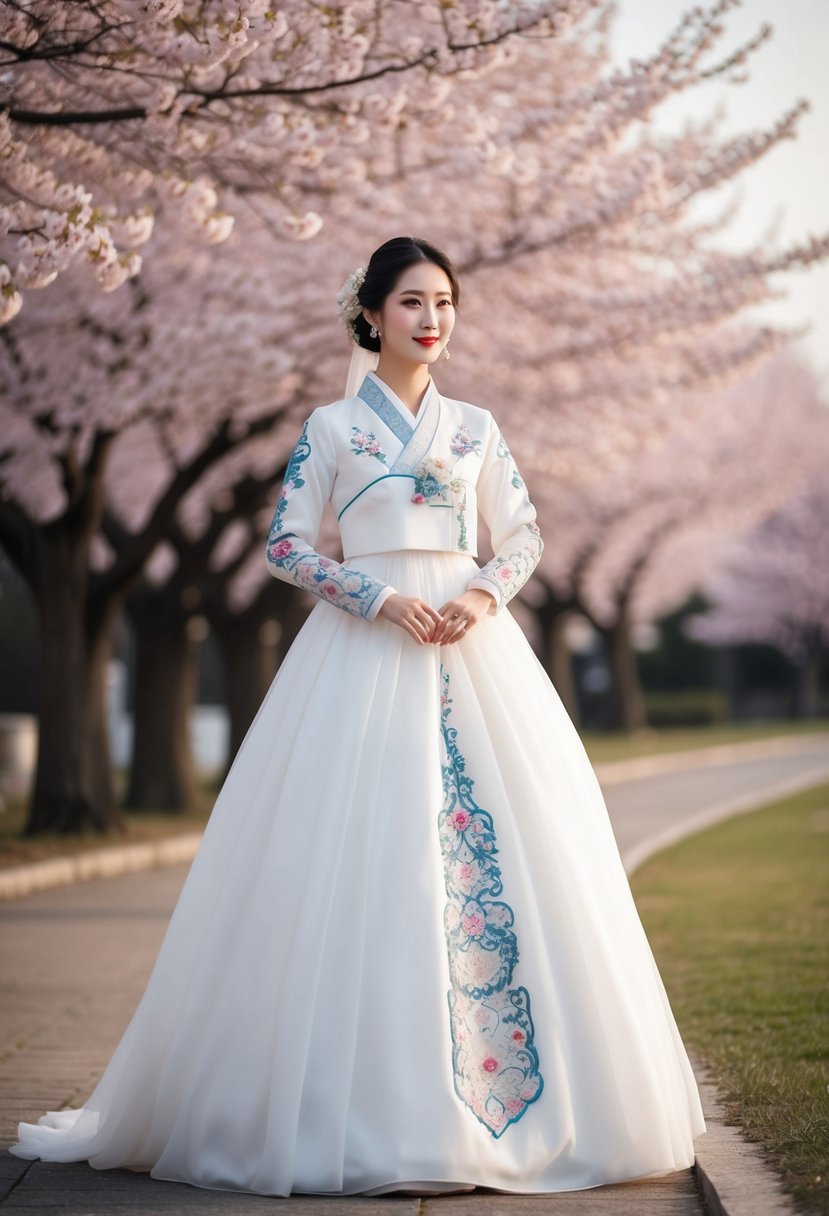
x=418, y=618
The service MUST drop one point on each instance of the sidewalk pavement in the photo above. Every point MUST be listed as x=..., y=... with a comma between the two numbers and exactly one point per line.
x=56, y=943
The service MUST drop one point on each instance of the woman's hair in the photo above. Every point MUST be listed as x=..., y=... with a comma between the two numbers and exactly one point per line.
x=385, y=267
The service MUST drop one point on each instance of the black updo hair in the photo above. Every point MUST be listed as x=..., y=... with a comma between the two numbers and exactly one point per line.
x=385, y=266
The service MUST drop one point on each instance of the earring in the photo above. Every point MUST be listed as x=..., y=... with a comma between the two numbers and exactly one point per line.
x=374, y=331
x=446, y=354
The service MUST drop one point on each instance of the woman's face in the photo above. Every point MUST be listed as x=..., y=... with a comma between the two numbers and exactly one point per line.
x=417, y=316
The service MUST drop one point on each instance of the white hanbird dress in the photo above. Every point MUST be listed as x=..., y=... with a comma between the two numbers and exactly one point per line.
x=406, y=954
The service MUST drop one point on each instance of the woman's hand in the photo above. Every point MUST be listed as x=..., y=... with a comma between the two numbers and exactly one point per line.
x=418, y=618
x=458, y=616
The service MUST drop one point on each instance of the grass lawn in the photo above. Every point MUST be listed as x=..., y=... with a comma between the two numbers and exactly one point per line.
x=624, y=745
x=738, y=918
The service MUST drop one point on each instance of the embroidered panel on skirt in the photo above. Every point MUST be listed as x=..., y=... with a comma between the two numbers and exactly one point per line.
x=494, y=1061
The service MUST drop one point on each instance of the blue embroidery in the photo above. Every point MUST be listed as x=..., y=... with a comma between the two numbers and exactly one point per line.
x=430, y=482
x=292, y=479
x=377, y=400
x=503, y=450
x=494, y=1061
x=348, y=589
x=416, y=442
x=322, y=576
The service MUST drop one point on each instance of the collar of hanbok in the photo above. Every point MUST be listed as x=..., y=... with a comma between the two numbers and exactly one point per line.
x=414, y=432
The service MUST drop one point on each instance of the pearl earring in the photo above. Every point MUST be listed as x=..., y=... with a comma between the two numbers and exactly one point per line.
x=374, y=331
x=446, y=354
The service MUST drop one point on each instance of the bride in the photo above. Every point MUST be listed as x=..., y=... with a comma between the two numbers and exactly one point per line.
x=406, y=956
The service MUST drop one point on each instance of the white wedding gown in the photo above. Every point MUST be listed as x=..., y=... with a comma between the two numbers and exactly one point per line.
x=295, y=1033
x=406, y=955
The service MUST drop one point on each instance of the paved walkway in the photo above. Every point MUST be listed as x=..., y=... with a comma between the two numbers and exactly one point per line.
x=75, y=961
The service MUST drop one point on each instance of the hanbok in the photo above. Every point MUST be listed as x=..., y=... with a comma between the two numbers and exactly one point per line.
x=406, y=955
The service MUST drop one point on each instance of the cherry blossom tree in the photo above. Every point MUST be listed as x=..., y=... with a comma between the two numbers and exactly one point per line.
x=772, y=586
x=109, y=107
x=633, y=550
x=58, y=447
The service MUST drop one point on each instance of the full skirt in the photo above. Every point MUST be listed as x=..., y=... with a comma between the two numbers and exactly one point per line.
x=406, y=954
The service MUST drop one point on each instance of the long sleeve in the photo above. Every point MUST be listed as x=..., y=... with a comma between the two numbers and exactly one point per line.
x=510, y=516
x=291, y=556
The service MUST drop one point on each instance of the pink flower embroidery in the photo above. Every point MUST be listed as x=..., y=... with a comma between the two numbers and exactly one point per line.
x=490, y=1064
x=460, y=820
x=518, y=1035
x=418, y=498
x=504, y=572
x=514, y=1105
x=473, y=925
x=281, y=549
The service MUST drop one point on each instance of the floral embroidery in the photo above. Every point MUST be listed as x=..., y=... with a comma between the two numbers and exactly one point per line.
x=463, y=542
x=292, y=479
x=503, y=450
x=432, y=480
x=461, y=443
x=494, y=1061
x=510, y=572
x=345, y=588
x=365, y=443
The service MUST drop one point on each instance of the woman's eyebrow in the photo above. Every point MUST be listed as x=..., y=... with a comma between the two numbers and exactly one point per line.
x=411, y=291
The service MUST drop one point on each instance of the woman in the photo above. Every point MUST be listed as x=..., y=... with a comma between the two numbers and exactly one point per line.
x=406, y=956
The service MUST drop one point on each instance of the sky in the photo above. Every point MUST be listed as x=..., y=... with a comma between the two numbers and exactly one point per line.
x=787, y=184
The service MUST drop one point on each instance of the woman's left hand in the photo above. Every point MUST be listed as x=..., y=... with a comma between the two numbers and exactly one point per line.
x=459, y=615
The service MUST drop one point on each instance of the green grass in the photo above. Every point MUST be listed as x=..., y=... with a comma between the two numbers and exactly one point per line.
x=623, y=745
x=738, y=918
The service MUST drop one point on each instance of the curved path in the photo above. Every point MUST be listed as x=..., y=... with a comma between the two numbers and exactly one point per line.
x=74, y=962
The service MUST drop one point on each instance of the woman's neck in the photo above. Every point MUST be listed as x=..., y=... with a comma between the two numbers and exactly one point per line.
x=409, y=380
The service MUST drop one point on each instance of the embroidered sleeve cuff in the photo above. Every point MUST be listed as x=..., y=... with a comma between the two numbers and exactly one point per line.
x=379, y=601
x=486, y=584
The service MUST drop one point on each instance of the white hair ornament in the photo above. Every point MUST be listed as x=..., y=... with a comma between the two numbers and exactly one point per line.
x=349, y=306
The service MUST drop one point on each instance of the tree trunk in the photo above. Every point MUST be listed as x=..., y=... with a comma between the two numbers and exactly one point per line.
x=560, y=666
x=628, y=706
x=249, y=655
x=98, y=759
x=807, y=679
x=162, y=773
x=69, y=795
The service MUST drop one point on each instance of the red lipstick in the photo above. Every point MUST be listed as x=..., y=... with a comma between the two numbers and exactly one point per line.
x=427, y=341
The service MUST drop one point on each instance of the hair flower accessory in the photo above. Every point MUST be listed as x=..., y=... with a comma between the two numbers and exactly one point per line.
x=347, y=302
